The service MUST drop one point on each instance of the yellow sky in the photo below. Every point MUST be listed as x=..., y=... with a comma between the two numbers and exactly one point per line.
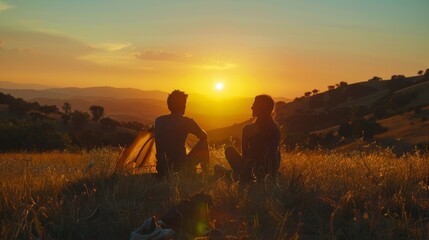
x=282, y=48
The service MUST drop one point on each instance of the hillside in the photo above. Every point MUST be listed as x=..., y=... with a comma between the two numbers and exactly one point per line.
x=392, y=112
x=141, y=110
x=32, y=126
x=73, y=92
x=127, y=104
x=406, y=130
x=368, y=110
x=227, y=134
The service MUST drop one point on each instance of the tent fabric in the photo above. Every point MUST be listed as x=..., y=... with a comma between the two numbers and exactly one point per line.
x=140, y=157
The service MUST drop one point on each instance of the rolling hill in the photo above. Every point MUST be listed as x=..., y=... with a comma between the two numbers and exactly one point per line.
x=73, y=92
x=13, y=85
x=308, y=120
x=128, y=104
x=396, y=111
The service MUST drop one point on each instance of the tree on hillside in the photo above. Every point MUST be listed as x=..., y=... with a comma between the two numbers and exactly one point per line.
x=375, y=79
x=420, y=72
x=109, y=124
x=397, y=77
x=47, y=109
x=19, y=107
x=315, y=91
x=297, y=99
x=39, y=135
x=331, y=87
x=342, y=84
x=6, y=98
x=79, y=119
x=136, y=125
x=307, y=94
x=67, y=110
x=97, y=112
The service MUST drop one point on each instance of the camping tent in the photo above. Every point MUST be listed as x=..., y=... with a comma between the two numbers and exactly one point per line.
x=140, y=157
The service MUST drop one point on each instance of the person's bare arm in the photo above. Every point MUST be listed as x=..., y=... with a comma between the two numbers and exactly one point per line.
x=198, y=131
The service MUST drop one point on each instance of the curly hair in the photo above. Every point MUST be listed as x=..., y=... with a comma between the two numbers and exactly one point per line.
x=176, y=101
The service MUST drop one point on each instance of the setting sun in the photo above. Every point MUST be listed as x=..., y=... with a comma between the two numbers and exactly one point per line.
x=219, y=86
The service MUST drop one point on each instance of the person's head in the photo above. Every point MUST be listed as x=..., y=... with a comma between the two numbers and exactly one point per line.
x=262, y=106
x=176, y=102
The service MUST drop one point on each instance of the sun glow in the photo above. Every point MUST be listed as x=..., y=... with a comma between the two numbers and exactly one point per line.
x=219, y=86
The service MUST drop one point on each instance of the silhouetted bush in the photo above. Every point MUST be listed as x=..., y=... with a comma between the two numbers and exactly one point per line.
x=39, y=135
x=109, y=124
x=133, y=125
x=375, y=79
x=118, y=139
x=88, y=139
x=35, y=116
x=19, y=107
x=366, y=129
x=6, y=98
x=47, y=109
x=79, y=119
x=97, y=112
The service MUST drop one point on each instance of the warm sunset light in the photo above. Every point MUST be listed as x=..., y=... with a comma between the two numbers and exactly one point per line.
x=290, y=47
x=223, y=119
x=219, y=86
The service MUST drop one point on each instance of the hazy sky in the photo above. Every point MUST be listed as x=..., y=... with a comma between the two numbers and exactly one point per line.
x=282, y=48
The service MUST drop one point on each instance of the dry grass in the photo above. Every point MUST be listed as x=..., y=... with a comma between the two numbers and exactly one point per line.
x=319, y=195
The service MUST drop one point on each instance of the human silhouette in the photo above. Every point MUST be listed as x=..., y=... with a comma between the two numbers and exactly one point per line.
x=171, y=132
x=260, y=144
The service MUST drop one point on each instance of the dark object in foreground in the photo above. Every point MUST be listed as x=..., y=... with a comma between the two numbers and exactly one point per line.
x=190, y=216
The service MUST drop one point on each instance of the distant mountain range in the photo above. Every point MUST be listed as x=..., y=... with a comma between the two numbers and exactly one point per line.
x=130, y=104
x=13, y=85
x=74, y=92
x=400, y=106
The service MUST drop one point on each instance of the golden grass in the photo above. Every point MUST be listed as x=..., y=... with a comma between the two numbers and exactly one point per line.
x=319, y=195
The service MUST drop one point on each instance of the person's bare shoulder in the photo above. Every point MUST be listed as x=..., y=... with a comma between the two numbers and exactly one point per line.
x=250, y=130
x=161, y=118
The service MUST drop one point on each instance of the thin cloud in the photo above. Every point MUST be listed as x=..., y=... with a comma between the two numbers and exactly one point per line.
x=18, y=50
x=4, y=6
x=22, y=50
x=161, y=55
x=111, y=47
x=195, y=61
x=213, y=63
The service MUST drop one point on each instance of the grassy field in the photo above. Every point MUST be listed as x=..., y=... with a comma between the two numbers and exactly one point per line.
x=319, y=195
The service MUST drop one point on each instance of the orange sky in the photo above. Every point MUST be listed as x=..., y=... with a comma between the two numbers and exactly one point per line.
x=282, y=48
